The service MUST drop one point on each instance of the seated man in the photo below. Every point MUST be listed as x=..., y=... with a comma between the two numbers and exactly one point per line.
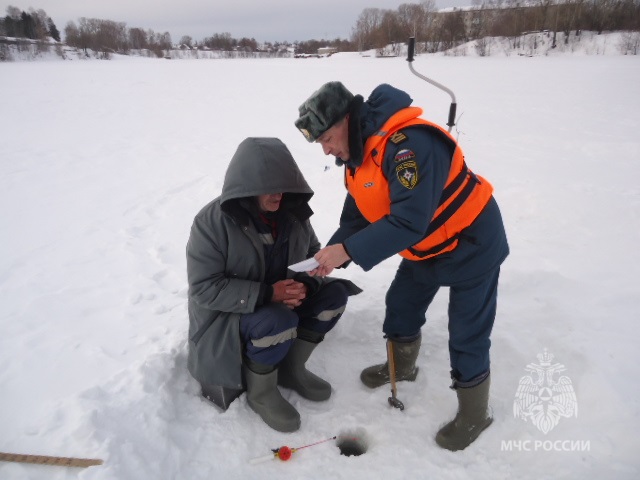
x=252, y=322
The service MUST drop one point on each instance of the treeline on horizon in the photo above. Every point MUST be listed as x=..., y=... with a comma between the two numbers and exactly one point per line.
x=375, y=28
x=35, y=24
x=437, y=31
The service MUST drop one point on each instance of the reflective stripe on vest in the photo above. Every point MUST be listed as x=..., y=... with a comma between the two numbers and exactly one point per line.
x=463, y=198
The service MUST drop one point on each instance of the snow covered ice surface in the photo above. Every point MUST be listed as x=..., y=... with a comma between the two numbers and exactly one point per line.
x=104, y=165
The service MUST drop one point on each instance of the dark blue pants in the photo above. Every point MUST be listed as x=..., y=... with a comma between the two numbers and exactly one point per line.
x=472, y=310
x=269, y=331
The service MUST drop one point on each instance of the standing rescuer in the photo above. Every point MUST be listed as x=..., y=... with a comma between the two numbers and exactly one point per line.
x=411, y=192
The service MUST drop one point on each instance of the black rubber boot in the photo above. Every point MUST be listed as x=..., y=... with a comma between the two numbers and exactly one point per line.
x=405, y=355
x=293, y=374
x=472, y=418
x=265, y=399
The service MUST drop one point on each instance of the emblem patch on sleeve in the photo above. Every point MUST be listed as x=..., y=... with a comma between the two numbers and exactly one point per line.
x=404, y=155
x=407, y=174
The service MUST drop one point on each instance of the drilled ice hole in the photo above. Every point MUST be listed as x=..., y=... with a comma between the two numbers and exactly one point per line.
x=353, y=442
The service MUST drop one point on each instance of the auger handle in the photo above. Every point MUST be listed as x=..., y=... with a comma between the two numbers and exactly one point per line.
x=452, y=108
x=412, y=49
x=452, y=115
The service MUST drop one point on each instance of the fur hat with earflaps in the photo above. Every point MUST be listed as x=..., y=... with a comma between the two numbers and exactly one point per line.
x=323, y=109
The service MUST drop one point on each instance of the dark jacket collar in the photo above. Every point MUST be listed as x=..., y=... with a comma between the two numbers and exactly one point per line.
x=243, y=209
x=366, y=118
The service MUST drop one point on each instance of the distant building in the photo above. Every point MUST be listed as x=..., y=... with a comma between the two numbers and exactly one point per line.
x=327, y=50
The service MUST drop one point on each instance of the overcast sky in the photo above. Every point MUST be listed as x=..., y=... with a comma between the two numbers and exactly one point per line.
x=264, y=20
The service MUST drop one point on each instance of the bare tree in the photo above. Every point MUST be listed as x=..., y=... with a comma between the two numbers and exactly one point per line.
x=138, y=39
x=165, y=41
x=541, y=14
x=72, y=35
x=221, y=41
x=248, y=44
x=599, y=13
x=364, y=32
x=390, y=31
x=453, y=31
x=568, y=17
x=411, y=20
x=40, y=18
x=104, y=36
x=630, y=15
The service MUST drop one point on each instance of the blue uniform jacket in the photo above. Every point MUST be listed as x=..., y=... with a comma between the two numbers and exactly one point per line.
x=483, y=245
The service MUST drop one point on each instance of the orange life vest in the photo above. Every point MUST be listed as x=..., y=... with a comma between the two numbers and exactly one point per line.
x=463, y=198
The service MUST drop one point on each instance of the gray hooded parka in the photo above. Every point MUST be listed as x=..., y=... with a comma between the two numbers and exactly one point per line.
x=225, y=257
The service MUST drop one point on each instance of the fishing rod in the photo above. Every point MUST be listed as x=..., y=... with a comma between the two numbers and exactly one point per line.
x=284, y=453
x=453, y=106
